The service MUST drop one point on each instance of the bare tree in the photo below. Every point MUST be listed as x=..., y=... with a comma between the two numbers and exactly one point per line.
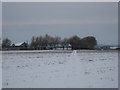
x=65, y=43
x=6, y=43
x=56, y=41
x=75, y=42
x=43, y=42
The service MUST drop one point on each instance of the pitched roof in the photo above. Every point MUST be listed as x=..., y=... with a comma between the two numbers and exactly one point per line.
x=18, y=44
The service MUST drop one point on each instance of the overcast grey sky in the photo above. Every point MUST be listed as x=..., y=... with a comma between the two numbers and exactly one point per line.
x=0, y=21
x=21, y=21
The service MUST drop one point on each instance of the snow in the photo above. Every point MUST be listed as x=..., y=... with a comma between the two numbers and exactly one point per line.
x=60, y=69
x=0, y=70
x=18, y=44
x=113, y=47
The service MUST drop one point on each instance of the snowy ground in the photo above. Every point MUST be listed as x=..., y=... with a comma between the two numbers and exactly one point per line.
x=0, y=70
x=60, y=69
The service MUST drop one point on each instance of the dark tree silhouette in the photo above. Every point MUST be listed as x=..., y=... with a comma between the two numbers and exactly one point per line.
x=65, y=43
x=6, y=43
x=43, y=42
x=75, y=42
x=56, y=41
x=88, y=42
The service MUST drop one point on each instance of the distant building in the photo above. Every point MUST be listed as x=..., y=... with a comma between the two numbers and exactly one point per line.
x=19, y=46
x=59, y=47
x=113, y=48
x=107, y=47
x=22, y=44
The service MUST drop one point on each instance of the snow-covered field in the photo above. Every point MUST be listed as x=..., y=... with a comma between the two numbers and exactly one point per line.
x=0, y=70
x=60, y=69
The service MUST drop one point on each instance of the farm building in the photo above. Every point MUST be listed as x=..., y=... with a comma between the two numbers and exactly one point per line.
x=20, y=46
x=59, y=47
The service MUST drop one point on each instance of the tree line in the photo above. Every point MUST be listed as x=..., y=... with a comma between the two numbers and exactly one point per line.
x=50, y=42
